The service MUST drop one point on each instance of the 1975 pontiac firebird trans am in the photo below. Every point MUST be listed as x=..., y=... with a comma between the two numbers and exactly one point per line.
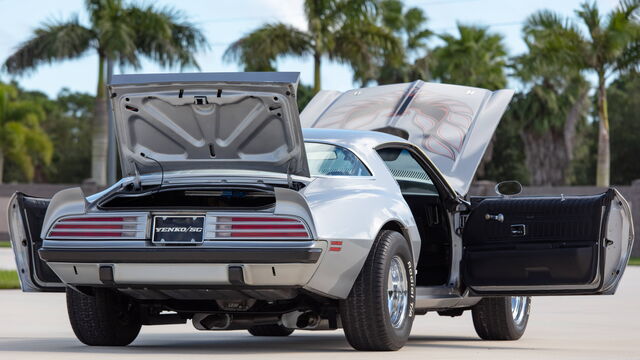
x=232, y=216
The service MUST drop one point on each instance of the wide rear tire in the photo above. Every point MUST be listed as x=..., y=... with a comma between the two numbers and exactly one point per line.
x=501, y=318
x=379, y=311
x=105, y=319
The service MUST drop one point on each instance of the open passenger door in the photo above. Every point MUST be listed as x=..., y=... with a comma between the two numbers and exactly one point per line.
x=547, y=245
x=26, y=215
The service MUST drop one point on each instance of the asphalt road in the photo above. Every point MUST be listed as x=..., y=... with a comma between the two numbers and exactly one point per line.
x=590, y=327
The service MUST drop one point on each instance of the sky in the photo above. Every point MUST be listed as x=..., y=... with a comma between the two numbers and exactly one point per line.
x=224, y=21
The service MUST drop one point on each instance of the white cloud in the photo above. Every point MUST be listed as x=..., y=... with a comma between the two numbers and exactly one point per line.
x=289, y=11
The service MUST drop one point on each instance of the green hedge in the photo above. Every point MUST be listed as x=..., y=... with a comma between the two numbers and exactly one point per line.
x=9, y=279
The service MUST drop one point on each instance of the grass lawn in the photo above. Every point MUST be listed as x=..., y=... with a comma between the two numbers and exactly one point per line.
x=9, y=279
x=5, y=244
x=634, y=261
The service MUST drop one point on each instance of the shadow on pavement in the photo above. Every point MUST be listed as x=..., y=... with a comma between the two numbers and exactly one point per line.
x=225, y=344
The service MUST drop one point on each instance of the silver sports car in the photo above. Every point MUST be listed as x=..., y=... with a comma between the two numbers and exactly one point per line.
x=231, y=216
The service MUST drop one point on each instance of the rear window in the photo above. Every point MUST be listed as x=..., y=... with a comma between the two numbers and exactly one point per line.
x=331, y=160
x=407, y=171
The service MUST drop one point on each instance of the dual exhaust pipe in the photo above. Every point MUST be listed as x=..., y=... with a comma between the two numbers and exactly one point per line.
x=294, y=320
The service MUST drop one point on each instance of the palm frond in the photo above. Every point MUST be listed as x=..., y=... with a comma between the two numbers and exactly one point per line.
x=476, y=57
x=52, y=41
x=556, y=39
x=258, y=50
x=364, y=46
x=622, y=37
x=590, y=15
x=165, y=36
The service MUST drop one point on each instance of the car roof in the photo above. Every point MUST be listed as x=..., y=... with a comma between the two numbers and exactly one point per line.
x=351, y=139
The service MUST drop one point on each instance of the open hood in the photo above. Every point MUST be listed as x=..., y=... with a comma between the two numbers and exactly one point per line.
x=452, y=124
x=193, y=121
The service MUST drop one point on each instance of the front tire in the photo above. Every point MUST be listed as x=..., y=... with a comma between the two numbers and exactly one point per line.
x=501, y=318
x=379, y=311
x=105, y=319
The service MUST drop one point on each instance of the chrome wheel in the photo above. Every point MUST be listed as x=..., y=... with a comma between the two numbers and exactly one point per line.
x=397, y=292
x=518, y=308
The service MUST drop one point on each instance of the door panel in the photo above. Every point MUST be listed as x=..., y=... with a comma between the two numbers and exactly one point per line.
x=546, y=245
x=26, y=215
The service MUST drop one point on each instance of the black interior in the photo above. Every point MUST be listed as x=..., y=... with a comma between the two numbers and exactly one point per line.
x=229, y=197
x=435, y=251
x=424, y=199
x=33, y=210
x=541, y=241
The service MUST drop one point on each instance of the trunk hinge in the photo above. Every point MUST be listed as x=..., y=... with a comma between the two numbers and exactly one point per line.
x=137, y=182
x=289, y=178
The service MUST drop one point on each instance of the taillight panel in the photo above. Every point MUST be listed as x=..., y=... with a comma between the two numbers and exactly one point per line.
x=86, y=227
x=237, y=227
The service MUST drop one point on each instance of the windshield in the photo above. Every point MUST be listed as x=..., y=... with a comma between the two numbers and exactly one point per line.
x=331, y=160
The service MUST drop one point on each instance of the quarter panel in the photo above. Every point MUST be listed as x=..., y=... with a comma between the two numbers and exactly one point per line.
x=65, y=202
x=352, y=210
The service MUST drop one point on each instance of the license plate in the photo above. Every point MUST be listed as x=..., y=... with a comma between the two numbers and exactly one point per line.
x=177, y=229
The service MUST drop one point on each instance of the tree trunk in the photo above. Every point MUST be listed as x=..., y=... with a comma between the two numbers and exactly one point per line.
x=1, y=165
x=546, y=157
x=99, y=139
x=604, y=156
x=316, y=72
x=571, y=124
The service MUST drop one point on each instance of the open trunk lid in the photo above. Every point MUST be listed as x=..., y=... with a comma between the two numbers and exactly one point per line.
x=194, y=121
x=452, y=124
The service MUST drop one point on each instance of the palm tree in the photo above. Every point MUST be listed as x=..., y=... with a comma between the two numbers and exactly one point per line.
x=409, y=26
x=610, y=45
x=22, y=140
x=550, y=113
x=475, y=58
x=342, y=30
x=117, y=32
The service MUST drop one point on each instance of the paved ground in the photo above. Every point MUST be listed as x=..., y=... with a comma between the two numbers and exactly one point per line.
x=595, y=327
x=7, y=261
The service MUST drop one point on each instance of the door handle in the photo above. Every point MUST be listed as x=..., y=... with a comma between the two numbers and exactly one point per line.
x=518, y=230
x=498, y=218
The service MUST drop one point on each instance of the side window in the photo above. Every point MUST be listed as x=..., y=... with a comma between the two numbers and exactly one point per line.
x=331, y=160
x=407, y=171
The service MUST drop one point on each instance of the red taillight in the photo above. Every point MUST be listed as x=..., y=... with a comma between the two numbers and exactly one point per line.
x=89, y=227
x=84, y=234
x=99, y=219
x=259, y=227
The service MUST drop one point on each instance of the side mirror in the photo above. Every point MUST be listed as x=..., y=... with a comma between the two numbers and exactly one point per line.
x=508, y=188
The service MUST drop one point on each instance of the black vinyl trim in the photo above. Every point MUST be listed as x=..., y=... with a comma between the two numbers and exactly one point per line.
x=195, y=255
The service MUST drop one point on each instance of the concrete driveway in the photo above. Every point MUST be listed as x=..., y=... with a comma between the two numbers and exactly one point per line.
x=583, y=327
x=7, y=260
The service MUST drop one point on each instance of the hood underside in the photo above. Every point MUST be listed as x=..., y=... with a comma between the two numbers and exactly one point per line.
x=194, y=121
x=452, y=124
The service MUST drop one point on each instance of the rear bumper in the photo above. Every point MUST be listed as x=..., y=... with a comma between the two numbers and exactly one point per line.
x=183, y=255
x=183, y=275
x=194, y=267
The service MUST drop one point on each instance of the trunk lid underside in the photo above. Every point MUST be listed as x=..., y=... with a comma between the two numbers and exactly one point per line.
x=192, y=121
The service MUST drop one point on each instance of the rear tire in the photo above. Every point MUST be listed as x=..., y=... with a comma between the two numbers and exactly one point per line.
x=501, y=318
x=105, y=319
x=379, y=311
x=270, y=330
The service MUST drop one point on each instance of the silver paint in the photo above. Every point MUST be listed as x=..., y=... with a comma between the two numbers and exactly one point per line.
x=452, y=124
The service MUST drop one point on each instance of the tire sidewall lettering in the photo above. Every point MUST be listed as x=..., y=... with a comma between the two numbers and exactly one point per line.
x=412, y=289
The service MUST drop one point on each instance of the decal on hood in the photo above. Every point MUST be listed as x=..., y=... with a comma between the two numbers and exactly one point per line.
x=452, y=124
